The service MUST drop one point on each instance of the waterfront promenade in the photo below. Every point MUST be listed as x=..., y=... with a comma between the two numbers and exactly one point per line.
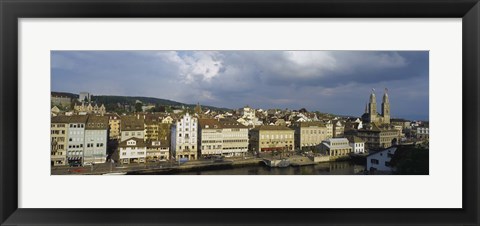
x=150, y=167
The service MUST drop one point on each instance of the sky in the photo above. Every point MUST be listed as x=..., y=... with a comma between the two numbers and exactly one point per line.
x=338, y=82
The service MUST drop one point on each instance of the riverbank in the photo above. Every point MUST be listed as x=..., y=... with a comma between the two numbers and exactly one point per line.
x=192, y=167
x=172, y=168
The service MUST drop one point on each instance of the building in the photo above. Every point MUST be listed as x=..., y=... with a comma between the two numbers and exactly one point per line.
x=89, y=109
x=371, y=115
x=380, y=161
x=336, y=147
x=247, y=112
x=357, y=144
x=272, y=138
x=114, y=122
x=84, y=97
x=132, y=127
x=310, y=134
x=222, y=137
x=422, y=132
x=378, y=137
x=167, y=120
x=152, y=127
x=235, y=138
x=338, y=128
x=76, y=139
x=54, y=111
x=58, y=140
x=62, y=101
x=157, y=151
x=184, y=138
x=210, y=137
x=96, y=137
x=132, y=150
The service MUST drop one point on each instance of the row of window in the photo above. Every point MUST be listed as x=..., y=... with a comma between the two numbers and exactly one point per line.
x=186, y=147
x=138, y=153
x=277, y=136
x=133, y=133
x=76, y=125
x=278, y=142
x=91, y=145
x=313, y=132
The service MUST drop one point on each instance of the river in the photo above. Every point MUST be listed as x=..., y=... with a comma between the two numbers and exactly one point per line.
x=330, y=168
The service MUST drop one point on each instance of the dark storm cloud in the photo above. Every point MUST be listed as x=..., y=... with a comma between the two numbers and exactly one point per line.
x=329, y=81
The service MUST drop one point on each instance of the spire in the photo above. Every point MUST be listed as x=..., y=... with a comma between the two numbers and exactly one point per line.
x=373, y=99
x=366, y=108
x=385, y=96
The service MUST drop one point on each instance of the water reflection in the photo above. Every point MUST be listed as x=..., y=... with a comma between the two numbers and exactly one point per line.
x=333, y=168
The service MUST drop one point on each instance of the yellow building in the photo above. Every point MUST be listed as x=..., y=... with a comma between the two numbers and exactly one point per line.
x=272, y=138
x=310, y=134
x=58, y=140
x=114, y=122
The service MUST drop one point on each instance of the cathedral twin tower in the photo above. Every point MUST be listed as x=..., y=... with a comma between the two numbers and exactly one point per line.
x=371, y=115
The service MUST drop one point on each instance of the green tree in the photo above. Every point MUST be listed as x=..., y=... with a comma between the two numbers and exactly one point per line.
x=138, y=107
x=415, y=162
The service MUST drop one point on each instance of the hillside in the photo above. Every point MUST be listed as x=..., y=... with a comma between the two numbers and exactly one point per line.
x=113, y=100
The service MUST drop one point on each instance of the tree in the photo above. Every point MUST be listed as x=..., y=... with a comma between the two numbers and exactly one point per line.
x=138, y=107
x=414, y=162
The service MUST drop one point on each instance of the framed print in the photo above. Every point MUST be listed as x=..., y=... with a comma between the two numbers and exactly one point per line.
x=226, y=112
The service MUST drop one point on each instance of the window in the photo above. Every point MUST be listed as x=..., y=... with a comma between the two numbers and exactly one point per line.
x=374, y=161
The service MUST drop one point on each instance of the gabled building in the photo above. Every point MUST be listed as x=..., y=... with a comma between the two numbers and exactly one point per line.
x=132, y=127
x=184, y=138
x=380, y=161
x=132, y=150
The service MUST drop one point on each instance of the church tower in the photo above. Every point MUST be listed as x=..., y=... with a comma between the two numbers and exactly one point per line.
x=372, y=107
x=386, y=108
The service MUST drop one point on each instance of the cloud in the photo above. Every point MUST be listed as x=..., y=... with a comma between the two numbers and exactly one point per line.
x=332, y=81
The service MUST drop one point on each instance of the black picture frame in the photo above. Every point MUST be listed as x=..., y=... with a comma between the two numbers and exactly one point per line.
x=12, y=10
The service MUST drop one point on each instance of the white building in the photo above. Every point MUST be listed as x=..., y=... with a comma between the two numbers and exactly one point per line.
x=96, y=136
x=422, y=132
x=247, y=112
x=184, y=138
x=380, y=161
x=76, y=139
x=132, y=150
x=357, y=144
x=336, y=147
x=222, y=137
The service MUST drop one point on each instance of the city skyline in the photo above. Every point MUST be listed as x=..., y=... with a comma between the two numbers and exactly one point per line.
x=335, y=82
